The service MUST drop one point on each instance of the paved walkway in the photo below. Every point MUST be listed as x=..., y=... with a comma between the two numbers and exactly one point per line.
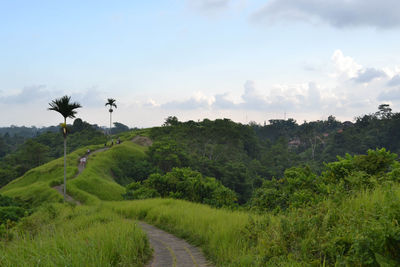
x=169, y=251
x=172, y=251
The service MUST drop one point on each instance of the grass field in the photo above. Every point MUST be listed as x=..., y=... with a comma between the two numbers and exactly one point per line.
x=63, y=235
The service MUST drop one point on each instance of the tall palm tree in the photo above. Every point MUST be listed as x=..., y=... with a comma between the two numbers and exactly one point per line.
x=111, y=103
x=67, y=110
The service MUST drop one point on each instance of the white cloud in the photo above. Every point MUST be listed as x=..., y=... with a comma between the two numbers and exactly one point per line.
x=151, y=103
x=337, y=13
x=345, y=66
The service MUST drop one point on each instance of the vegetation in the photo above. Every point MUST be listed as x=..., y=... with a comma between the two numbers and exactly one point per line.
x=183, y=183
x=11, y=211
x=283, y=206
x=62, y=235
x=45, y=147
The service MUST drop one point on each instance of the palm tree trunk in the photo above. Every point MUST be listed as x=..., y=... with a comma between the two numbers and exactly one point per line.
x=65, y=159
x=65, y=166
x=110, y=124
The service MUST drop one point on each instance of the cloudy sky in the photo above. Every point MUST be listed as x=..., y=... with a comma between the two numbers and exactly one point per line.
x=247, y=60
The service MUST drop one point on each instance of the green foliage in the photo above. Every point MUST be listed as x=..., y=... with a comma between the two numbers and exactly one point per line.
x=301, y=187
x=119, y=128
x=297, y=188
x=131, y=168
x=221, y=149
x=167, y=154
x=357, y=231
x=11, y=211
x=183, y=183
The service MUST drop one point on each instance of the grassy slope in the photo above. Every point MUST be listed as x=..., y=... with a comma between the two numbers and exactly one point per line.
x=96, y=180
x=93, y=184
x=62, y=235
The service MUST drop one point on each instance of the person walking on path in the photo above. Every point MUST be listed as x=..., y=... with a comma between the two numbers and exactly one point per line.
x=83, y=161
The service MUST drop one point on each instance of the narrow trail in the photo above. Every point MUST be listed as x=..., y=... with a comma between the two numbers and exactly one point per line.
x=81, y=167
x=172, y=251
x=169, y=250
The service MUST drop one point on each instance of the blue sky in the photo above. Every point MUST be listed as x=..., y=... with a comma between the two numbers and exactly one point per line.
x=239, y=59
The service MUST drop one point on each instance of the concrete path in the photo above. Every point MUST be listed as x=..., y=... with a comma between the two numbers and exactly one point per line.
x=170, y=251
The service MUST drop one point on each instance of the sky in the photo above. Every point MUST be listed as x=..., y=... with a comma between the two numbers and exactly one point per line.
x=246, y=60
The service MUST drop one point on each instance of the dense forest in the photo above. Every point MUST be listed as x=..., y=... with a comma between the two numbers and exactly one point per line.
x=244, y=157
x=23, y=148
x=241, y=157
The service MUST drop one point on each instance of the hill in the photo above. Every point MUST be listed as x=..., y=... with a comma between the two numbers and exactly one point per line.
x=93, y=184
x=346, y=213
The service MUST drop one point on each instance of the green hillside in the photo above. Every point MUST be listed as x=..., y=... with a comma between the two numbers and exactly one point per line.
x=347, y=215
x=93, y=184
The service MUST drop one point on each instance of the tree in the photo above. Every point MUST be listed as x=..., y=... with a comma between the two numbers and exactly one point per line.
x=385, y=112
x=171, y=121
x=67, y=110
x=119, y=128
x=111, y=103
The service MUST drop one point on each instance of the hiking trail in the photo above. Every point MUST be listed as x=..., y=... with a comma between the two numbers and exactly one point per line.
x=169, y=250
x=81, y=167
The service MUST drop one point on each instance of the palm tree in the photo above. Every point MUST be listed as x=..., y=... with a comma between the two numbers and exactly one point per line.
x=111, y=103
x=66, y=109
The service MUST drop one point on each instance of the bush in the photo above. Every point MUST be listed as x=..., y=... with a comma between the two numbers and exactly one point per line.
x=183, y=183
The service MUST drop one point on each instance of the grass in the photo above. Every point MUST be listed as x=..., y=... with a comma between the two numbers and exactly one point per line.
x=218, y=232
x=35, y=185
x=95, y=183
x=358, y=231
x=63, y=235
x=97, y=180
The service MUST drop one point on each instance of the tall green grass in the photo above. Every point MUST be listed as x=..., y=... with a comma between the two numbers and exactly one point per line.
x=61, y=235
x=218, y=232
x=362, y=230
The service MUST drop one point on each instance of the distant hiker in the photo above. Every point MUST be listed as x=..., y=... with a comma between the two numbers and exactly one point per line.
x=112, y=142
x=88, y=151
x=84, y=161
x=118, y=141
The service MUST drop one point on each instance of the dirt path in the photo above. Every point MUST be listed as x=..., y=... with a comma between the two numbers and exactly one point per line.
x=81, y=167
x=170, y=251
